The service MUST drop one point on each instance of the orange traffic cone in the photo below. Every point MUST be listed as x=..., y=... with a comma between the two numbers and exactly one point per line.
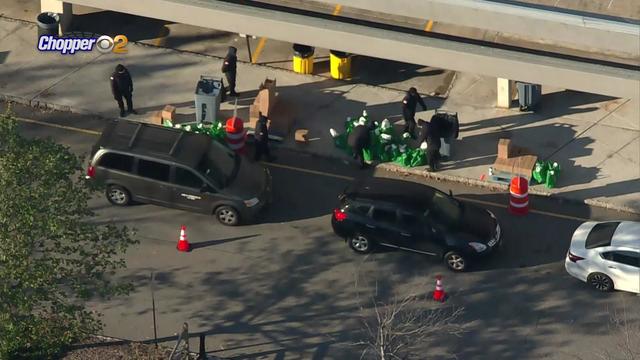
x=439, y=294
x=183, y=243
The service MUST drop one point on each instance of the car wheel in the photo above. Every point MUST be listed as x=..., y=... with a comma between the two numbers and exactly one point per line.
x=360, y=244
x=455, y=261
x=601, y=282
x=117, y=195
x=227, y=215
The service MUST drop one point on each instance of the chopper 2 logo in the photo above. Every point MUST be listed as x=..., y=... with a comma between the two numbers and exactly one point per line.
x=70, y=45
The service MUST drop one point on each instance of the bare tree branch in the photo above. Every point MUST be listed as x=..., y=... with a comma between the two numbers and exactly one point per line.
x=394, y=330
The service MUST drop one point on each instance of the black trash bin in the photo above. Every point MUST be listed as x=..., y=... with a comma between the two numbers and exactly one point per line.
x=449, y=127
x=303, y=51
x=48, y=23
x=303, y=59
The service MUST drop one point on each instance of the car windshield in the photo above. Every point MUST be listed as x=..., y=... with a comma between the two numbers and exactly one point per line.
x=219, y=165
x=445, y=208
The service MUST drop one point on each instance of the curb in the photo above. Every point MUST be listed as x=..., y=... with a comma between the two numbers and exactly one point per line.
x=390, y=167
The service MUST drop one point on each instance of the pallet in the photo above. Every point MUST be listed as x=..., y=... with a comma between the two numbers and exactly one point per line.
x=505, y=178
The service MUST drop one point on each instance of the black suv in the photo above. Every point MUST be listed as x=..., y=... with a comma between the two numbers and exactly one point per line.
x=174, y=168
x=414, y=217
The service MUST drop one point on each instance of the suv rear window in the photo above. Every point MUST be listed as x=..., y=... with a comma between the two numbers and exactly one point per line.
x=116, y=161
x=601, y=235
x=357, y=207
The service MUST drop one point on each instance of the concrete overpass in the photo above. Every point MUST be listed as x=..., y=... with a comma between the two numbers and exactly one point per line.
x=386, y=42
x=598, y=34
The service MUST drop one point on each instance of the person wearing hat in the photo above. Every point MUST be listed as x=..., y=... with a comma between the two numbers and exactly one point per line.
x=409, y=103
x=229, y=67
x=359, y=139
x=122, y=86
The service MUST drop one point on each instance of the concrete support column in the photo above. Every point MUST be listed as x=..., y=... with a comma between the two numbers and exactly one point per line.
x=506, y=89
x=64, y=9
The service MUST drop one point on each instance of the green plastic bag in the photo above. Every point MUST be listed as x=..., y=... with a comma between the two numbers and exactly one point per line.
x=550, y=183
x=341, y=142
x=419, y=158
x=377, y=150
x=385, y=155
x=403, y=159
x=366, y=155
x=540, y=171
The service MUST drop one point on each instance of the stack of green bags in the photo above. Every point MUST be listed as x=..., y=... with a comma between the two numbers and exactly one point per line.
x=546, y=172
x=384, y=146
x=215, y=130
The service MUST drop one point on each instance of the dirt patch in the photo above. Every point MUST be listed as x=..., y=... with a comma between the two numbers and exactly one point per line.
x=95, y=348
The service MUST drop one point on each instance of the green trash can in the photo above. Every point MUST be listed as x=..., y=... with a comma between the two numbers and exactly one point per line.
x=48, y=24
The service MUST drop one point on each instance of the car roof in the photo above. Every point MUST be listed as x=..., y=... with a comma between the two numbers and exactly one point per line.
x=156, y=141
x=627, y=234
x=395, y=191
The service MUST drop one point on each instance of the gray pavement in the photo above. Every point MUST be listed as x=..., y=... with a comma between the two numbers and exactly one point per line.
x=287, y=288
x=595, y=139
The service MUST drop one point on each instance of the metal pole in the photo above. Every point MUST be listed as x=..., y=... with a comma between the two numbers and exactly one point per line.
x=202, y=353
x=153, y=306
x=249, y=48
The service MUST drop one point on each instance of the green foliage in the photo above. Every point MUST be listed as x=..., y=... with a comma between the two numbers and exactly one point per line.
x=52, y=258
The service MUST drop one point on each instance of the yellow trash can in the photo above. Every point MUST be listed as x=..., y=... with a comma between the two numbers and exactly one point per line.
x=303, y=59
x=340, y=64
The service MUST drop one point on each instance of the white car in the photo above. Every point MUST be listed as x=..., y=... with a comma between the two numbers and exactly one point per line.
x=606, y=255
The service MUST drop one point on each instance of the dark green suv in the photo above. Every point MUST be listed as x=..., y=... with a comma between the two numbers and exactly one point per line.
x=174, y=168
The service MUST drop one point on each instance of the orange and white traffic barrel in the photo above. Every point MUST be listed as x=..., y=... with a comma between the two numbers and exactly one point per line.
x=236, y=134
x=519, y=196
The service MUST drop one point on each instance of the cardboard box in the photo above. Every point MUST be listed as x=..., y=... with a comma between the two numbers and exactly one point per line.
x=301, y=135
x=503, y=165
x=169, y=112
x=266, y=98
x=504, y=148
x=523, y=165
x=517, y=166
x=254, y=113
x=156, y=118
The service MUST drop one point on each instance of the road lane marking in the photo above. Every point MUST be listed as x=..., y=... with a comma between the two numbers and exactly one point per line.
x=322, y=173
x=70, y=128
x=337, y=10
x=258, y=50
x=540, y=212
x=429, y=25
x=315, y=172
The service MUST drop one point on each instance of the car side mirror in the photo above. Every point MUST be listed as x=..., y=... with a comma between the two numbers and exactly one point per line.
x=450, y=193
x=204, y=188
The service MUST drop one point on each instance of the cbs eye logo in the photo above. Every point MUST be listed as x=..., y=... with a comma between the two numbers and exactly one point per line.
x=106, y=44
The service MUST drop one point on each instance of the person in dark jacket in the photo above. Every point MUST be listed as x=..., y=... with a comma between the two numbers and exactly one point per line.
x=122, y=86
x=409, y=104
x=429, y=133
x=261, y=135
x=358, y=140
x=229, y=67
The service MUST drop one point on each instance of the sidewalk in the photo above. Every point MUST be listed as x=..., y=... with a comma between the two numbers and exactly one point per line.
x=596, y=139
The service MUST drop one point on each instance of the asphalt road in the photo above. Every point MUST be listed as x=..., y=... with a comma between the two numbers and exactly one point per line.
x=287, y=288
